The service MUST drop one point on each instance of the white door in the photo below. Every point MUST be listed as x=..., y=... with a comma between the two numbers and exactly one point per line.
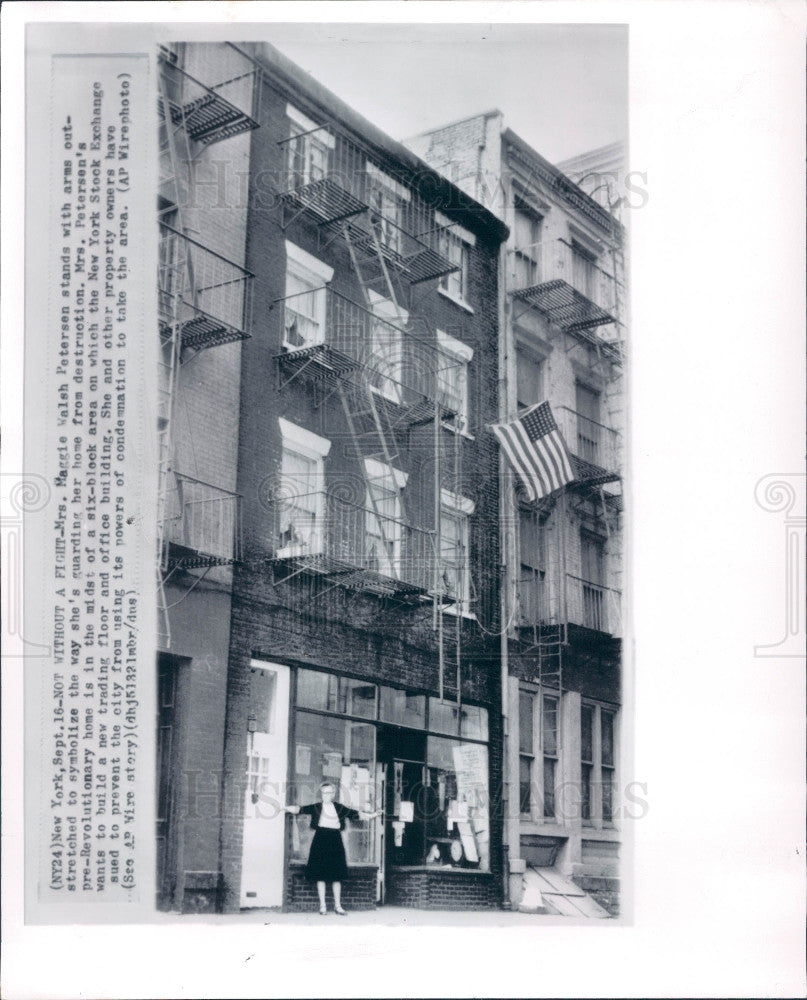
x=267, y=762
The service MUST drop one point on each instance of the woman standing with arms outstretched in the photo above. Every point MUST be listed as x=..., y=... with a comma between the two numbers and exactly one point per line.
x=326, y=859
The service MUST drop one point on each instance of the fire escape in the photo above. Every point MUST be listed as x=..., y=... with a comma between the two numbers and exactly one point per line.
x=204, y=301
x=580, y=299
x=382, y=363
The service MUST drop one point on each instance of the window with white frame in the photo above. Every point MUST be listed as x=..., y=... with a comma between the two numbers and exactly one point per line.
x=386, y=347
x=455, y=512
x=301, y=493
x=305, y=302
x=453, y=358
x=597, y=763
x=539, y=750
x=387, y=198
x=455, y=244
x=527, y=251
x=309, y=150
x=383, y=525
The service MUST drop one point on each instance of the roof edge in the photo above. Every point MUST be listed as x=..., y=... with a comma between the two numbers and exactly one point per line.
x=298, y=83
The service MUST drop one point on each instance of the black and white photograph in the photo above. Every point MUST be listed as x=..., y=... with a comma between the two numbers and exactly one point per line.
x=391, y=498
x=375, y=597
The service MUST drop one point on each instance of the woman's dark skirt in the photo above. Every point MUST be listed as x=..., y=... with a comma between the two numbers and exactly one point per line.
x=326, y=859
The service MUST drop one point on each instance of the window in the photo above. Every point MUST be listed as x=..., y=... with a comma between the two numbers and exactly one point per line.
x=588, y=423
x=455, y=243
x=305, y=302
x=527, y=253
x=549, y=749
x=453, y=358
x=531, y=593
x=386, y=347
x=454, y=550
x=529, y=378
x=383, y=535
x=539, y=747
x=329, y=748
x=309, y=150
x=386, y=197
x=433, y=788
x=584, y=270
x=457, y=822
x=402, y=708
x=301, y=494
x=592, y=572
x=597, y=764
x=526, y=750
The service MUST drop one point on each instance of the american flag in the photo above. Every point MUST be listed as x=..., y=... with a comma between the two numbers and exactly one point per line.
x=536, y=451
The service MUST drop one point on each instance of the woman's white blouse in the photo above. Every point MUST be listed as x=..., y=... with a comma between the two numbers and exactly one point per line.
x=328, y=818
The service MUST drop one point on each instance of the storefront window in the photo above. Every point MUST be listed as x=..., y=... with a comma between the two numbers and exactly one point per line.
x=341, y=751
x=433, y=788
x=443, y=717
x=455, y=803
x=316, y=690
x=474, y=722
x=357, y=698
x=402, y=708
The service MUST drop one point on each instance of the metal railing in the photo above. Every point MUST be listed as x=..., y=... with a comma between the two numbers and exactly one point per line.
x=205, y=112
x=212, y=290
x=320, y=528
x=589, y=604
x=593, y=605
x=203, y=518
x=558, y=260
x=333, y=177
x=589, y=439
x=400, y=365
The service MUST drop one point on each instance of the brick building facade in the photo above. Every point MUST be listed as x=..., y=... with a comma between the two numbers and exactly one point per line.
x=331, y=564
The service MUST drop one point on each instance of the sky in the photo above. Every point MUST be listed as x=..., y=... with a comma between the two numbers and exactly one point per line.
x=562, y=88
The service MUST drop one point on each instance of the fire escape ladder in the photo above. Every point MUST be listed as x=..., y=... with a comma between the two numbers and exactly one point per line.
x=175, y=268
x=374, y=259
x=359, y=402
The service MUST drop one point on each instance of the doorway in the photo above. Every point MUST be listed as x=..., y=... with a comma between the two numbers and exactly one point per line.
x=401, y=752
x=267, y=762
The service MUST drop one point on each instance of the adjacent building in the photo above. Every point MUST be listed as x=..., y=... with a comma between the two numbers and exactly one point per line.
x=563, y=321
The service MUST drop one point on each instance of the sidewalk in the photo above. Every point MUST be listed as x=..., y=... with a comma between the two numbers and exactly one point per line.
x=384, y=916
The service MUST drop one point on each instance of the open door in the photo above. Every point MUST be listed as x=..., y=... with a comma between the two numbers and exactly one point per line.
x=267, y=762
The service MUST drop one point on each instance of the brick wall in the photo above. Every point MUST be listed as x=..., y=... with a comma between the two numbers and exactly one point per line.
x=303, y=621
x=358, y=890
x=442, y=890
x=204, y=434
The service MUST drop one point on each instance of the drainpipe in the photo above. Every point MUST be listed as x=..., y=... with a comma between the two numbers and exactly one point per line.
x=510, y=826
